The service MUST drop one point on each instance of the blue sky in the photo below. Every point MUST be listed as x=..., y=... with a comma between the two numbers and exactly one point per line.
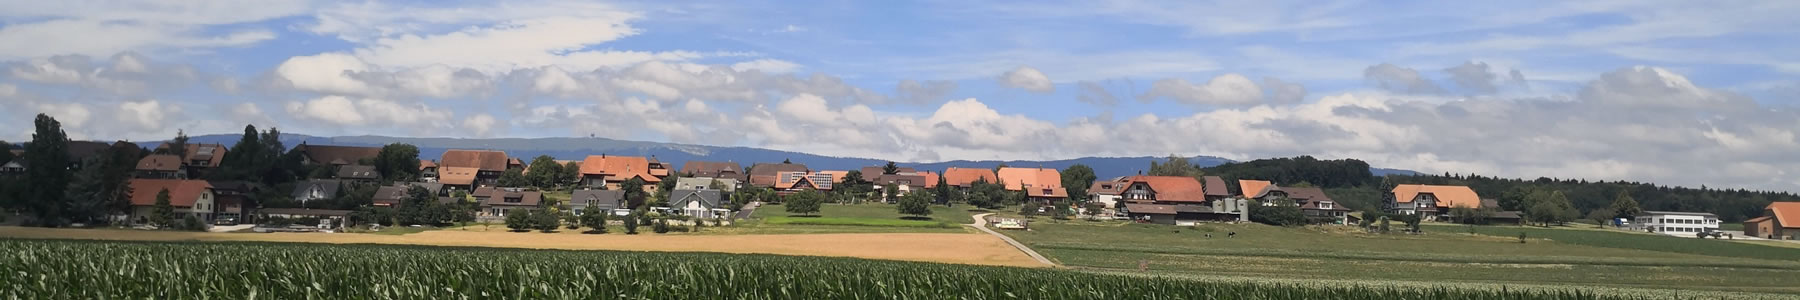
x=1675, y=92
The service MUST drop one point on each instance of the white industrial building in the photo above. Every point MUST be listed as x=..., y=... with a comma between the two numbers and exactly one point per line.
x=1676, y=223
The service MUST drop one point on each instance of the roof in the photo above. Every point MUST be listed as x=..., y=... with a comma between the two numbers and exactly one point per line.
x=708, y=198
x=769, y=174
x=457, y=175
x=964, y=176
x=1758, y=219
x=483, y=160
x=598, y=199
x=1172, y=188
x=330, y=187
x=1447, y=195
x=1506, y=215
x=424, y=164
x=931, y=178
x=703, y=183
x=910, y=180
x=1215, y=186
x=1036, y=178
x=232, y=185
x=713, y=169
x=1312, y=197
x=212, y=154
x=390, y=195
x=618, y=168
x=82, y=150
x=1106, y=187
x=526, y=198
x=304, y=212
x=1785, y=213
x=159, y=162
x=182, y=193
x=336, y=155
x=1047, y=192
x=1253, y=188
x=357, y=172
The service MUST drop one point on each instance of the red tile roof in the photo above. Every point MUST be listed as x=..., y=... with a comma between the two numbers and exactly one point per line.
x=1786, y=213
x=1172, y=188
x=1253, y=188
x=1107, y=187
x=480, y=159
x=457, y=175
x=1447, y=195
x=1037, y=178
x=963, y=176
x=931, y=178
x=193, y=152
x=427, y=164
x=618, y=168
x=182, y=193
x=159, y=162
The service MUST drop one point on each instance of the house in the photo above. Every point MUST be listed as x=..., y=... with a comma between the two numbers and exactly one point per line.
x=1107, y=193
x=428, y=170
x=1780, y=221
x=903, y=182
x=495, y=203
x=232, y=198
x=712, y=169
x=768, y=175
x=335, y=155
x=963, y=177
x=611, y=171
x=792, y=182
x=657, y=167
x=161, y=166
x=1178, y=200
x=358, y=174
x=704, y=204
x=514, y=163
x=199, y=158
x=391, y=196
x=602, y=201
x=1312, y=201
x=1675, y=222
x=1431, y=202
x=727, y=185
x=188, y=197
x=486, y=165
x=458, y=178
x=931, y=178
x=14, y=166
x=316, y=190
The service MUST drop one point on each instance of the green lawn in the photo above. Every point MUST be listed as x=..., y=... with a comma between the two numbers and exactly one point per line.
x=848, y=218
x=1445, y=254
x=1731, y=226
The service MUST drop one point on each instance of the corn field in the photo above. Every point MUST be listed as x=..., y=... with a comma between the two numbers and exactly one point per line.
x=57, y=269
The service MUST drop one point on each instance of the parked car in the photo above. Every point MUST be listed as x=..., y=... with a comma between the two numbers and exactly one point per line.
x=225, y=221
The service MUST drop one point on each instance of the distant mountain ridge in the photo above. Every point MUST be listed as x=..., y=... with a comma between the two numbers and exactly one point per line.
x=576, y=148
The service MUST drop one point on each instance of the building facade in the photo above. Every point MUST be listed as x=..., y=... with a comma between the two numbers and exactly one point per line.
x=1676, y=223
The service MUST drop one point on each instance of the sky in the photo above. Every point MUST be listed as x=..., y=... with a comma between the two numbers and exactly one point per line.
x=1674, y=92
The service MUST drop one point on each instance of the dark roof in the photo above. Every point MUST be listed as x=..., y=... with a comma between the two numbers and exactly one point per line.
x=304, y=212
x=357, y=172
x=912, y=180
x=159, y=162
x=390, y=195
x=330, y=187
x=1311, y=197
x=82, y=150
x=713, y=169
x=1215, y=186
x=1506, y=215
x=708, y=198
x=231, y=185
x=598, y=199
x=526, y=198
x=336, y=155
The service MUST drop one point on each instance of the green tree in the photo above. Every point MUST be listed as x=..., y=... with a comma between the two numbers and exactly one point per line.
x=177, y=146
x=571, y=173
x=1076, y=180
x=943, y=190
x=892, y=192
x=664, y=188
x=519, y=219
x=631, y=221
x=1602, y=216
x=1624, y=206
x=1029, y=209
x=1282, y=213
x=544, y=172
x=634, y=192
x=917, y=203
x=48, y=175
x=595, y=221
x=93, y=192
x=244, y=159
x=162, y=213
x=545, y=221
x=1469, y=215
x=805, y=202
x=1176, y=166
x=399, y=162
x=854, y=185
x=6, y=154
x=890, y=169
x=513, y=178
x=661, y=226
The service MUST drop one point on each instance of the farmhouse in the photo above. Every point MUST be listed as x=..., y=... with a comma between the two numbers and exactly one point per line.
x=1780, y=221
x=962, y=177
x=188, y=197
x=428, y=170
x=1042, y=185
x=390, y=196
x=612, y=170
x=793, y=182
x=904, y=179
x=484, y=166
x=1107, y=193
x=1430, y=202
x=1176, y=200
x=1318, y=207
x=233, y=200
x=161, y=166
x=769, y=175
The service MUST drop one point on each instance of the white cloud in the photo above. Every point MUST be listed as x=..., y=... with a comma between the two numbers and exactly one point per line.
x=767, y=66
x=481, y=125
x=344, y=111
x=1228, y=89
x=1027, y=78
x=101, y=28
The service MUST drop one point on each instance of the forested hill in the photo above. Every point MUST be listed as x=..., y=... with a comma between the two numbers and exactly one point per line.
x=1350, y=182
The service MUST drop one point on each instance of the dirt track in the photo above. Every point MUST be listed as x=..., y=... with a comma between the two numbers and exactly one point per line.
x=978, y=249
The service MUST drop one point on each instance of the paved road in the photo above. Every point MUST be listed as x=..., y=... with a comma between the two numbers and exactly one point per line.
x=981, y=223
x=744, y=213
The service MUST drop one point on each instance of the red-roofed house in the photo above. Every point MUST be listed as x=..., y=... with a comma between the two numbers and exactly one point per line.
x=962, y=177
x=161, y=166
x=793, y=182
x=1780, y=221
x=487, y=164
x=1043, y=185
x=189, y=197
x=1145, y=194
x=428, y=170
x=612, y=170
x=1431, y=201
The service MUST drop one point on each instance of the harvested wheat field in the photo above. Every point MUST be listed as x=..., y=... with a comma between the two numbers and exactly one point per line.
x=976, y=249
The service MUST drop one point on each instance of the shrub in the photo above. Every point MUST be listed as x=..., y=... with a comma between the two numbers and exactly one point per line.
x=662, y=226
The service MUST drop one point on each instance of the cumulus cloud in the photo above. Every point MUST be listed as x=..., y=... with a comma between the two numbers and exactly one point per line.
x=1027, y=78
x=123, y=74
x=1225, y=90
x=346, y=111
x=1400, y=79
x=1475, y=77
x=91, y=28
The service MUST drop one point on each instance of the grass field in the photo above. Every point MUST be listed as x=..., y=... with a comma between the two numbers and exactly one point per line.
x=1446, y=254
x=1731, y=226
x=42, y=269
